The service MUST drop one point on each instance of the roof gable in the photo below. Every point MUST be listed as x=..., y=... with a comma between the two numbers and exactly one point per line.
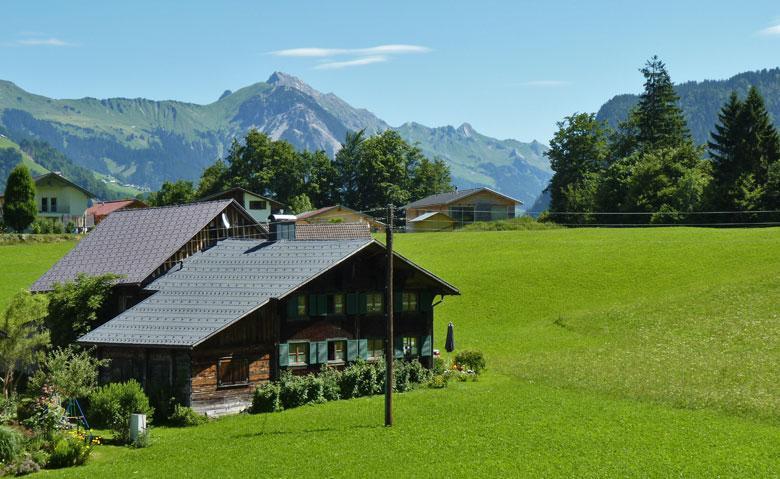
x=452, y=196
x=61, y=179
x=133, y=243
x=230, y=191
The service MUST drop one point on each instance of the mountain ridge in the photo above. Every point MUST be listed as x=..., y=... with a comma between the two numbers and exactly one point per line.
x=147, y=141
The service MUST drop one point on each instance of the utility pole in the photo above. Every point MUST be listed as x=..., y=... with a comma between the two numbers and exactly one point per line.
x=389, y=303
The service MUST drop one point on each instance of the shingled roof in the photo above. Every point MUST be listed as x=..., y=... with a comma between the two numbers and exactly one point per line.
x=219, y=286
x=332, y=231
x=133, y=243
x=452, y=196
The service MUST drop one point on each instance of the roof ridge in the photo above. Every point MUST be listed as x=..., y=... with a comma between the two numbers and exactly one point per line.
x=171, y=206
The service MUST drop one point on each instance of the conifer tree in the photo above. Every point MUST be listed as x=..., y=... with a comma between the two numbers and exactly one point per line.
x=19, y=209
x=724, y=151
x=659, y=119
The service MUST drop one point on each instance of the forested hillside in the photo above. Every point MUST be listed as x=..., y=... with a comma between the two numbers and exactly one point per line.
x=701, y=101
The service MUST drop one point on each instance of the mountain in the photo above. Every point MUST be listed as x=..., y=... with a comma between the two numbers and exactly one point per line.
x=701, y=101
x=514, y=168
x=41, y=158
x=145, y=142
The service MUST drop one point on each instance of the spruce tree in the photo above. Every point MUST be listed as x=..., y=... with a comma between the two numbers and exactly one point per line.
x=19, y=209
x=761, y=144
x=659, y=119
x=724, y=151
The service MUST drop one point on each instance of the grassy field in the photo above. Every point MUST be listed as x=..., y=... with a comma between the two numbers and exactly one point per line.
x=630, y=352
x=21, y=264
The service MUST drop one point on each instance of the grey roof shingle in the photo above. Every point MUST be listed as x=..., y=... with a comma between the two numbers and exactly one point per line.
x=219, y=286
x=449, y=197
x=132, y=243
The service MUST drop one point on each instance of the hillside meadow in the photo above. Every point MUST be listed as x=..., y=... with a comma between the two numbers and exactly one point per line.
x=632, y=352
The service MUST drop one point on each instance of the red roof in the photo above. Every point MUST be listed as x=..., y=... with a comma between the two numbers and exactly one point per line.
x=103, y=208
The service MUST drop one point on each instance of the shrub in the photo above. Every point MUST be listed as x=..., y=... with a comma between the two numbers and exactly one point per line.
x=438, y=381
x=266, y=398
x=408, y=374
x=471, y=359
x=8, y=407
x=48, y=415
x=293, y=390
x=183, y=416
x=70, y=449
x=143, y=440
x=439, y=365
x=25, y=409
x=72, y=373
x=70, y=227
x=331, y=378
x=22, y=467
x=112, y=405
x=10, y=444
x=362, y=379
x=314, y=389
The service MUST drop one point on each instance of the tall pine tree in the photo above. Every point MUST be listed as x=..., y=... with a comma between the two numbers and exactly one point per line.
x=659, y=119
x=745, y=152
x=724, y=151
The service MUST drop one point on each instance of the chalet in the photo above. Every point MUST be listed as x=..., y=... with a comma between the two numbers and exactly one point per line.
x=101, y=209
x=339, y=214
x=429, y=222
x=463, y=207
x=60, y=199
x=214, y=320
x=258, y=206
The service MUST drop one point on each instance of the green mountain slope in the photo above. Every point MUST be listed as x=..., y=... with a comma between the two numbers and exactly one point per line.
x=701, y=101
x=514, y=168
x=145, y=142
x=47, y=159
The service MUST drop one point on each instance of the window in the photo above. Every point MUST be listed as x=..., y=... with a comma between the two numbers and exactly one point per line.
x=257, y=205
x=376, y=348
x=410, y=346
x=53, y=205
x=44, y=205
x=374, y=303
x=301, y=301
x=298, y=354
x=409, y=302
x=338, y=304
x=337, y=351
x=232, y=372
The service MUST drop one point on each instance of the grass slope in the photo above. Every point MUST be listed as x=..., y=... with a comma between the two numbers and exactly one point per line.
x=611, y=353
x=21, y=264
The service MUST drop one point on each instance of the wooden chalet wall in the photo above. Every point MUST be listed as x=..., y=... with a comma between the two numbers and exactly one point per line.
x=250, y=339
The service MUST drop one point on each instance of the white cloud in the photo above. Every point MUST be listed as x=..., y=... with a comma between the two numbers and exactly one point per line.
x=48, y=42
x=545, y=83
x=334, y=52
x=770, y=31
x=351, y=63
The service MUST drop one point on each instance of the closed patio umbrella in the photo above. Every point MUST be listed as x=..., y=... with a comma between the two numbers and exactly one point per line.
x=449, y=345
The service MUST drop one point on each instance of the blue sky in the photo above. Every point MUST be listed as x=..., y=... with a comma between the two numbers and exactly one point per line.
x=511, y=69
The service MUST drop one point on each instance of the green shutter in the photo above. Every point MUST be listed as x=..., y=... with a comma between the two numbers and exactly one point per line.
x=362, y=303
x=352, y=303
x=363, y=348
x=284, y=354
x=426, y=301
x=398, y=345
x=312, y=305
x=425, y=349
x=352, y=349
x=398, y=301
x=322, y=304
x=312, y=353
x=322, y=351
x=292, y=307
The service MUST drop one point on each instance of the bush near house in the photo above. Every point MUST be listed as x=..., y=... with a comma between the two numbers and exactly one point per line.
x=112, y=405
x=360, y=378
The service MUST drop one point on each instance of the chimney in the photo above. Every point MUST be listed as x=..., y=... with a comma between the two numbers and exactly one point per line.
x=282, y=227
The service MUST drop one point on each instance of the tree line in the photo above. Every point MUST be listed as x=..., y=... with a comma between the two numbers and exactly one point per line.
x=649, y=169
x=367, y=173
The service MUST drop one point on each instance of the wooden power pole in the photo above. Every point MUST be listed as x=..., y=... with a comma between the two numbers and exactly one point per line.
x=389, y=303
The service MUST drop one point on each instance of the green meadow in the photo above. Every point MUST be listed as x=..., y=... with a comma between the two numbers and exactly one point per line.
x=631, y=352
